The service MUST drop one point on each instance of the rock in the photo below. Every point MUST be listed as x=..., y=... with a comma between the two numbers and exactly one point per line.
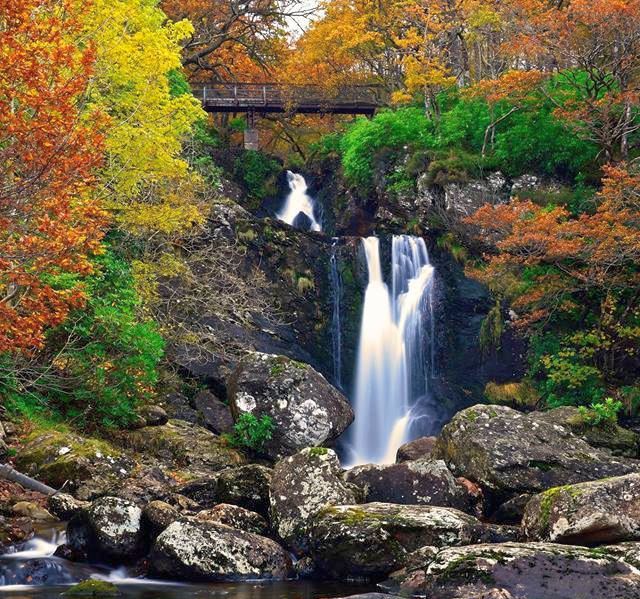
x=3, y=433
x=373, y=540
x=301, y=486
x=422, y=482
x=462, y=199
x=89, y=467
x=526, y=571
x=216, y=416
x=178, y=407
x=154, y=415
x=416, y=450
x=236, y=517
x=31, y=510
x=305, y=409
x=591, y=513
x=612, y=437
x=203, y=491
x=15, y=530
x=509, y=453
x=182, y=504
x=157, y=516
x=521, y=396
x=109, y=529
x=145, y=484
x=65, y=506
x=4, y=451
x=180, y=444
x=511, y=511
x=304, y=568
x=208, y=551
x=93, y=588
x=247, y=486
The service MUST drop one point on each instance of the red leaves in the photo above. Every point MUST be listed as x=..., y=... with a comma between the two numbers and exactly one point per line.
x=50, y=224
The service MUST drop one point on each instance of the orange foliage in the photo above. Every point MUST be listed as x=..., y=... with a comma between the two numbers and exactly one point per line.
x=49, y=224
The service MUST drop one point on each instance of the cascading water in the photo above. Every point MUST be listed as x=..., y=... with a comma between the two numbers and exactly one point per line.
x=336, y=328
x=392, y=366
x=298, y=202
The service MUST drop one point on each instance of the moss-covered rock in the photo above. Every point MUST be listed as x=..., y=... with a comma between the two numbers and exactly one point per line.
x=93, y=588
x=517, y=395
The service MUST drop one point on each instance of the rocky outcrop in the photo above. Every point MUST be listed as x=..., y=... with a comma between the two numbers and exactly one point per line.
x=591, y=513
x=418, y=449
x=422, y=482
x=216, y=415
x=522, y=571
x=235, y=517
x=300, y=487
x=209, y=551
x=374, y=539
x=305, y=409
x=509, y=453
x=108, y=530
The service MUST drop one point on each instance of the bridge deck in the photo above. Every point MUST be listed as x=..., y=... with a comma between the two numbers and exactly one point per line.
x=303, y=99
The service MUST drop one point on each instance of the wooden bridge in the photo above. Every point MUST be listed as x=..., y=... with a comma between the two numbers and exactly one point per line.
x=258, y=98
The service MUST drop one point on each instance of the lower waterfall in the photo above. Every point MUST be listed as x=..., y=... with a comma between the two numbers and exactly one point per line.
x=299, y=204
x=395, y=352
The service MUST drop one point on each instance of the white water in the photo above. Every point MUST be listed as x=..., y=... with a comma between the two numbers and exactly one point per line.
x=298, y=201
x=392, y=365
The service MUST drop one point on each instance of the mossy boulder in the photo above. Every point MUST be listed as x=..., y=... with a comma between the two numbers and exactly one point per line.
x=88, y=466
x=509, y=453
x=306, y=410
x=590, y=513
x=520, y=395
x=93, y=588
x=525, y=571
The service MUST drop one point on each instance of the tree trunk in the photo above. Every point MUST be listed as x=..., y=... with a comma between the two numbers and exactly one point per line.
x=8, y=473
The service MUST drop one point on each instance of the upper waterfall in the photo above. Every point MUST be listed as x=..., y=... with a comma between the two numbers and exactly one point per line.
x=298, y=202
x=392, y=365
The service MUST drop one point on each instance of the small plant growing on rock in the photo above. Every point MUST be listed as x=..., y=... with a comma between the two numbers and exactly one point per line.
x=251, y=432
x=601, y=413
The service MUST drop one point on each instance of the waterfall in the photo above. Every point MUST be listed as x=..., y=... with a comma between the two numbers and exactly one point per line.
x=336, y=329
x=299, y=202
x=393, y=367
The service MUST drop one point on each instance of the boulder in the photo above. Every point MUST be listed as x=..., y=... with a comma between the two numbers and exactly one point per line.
x=202, y=491
x=216, y=416
x=108, y=530
x=178, y=407
x=524, y=571
x=591, y=513
x=65, y=506
x=301, y=486
x=374, y=539
x=509, y=453
x=236, y=517
x=422, y=482
x=15, y=530
x=157, y=516
x=246, y=486
x=153, y=415
x=416, y=450
x=180, y=444
x=208, y=551
x=305, y=409
x=31, y=510
x=88, y=467
x=145, y=484
x=93, y=588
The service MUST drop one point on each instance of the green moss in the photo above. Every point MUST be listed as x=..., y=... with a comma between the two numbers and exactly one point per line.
x=93, y=588
x=318, y=451
x=520, y=395
x=247, y=236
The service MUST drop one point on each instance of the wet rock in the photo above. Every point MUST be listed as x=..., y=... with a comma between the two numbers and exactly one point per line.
x=89, y=467
x=31, y=510
x=421, y=482
x=509, y=453
x=236, y=517
x=373, y=540
x=108, y=530
x=591, y=513
x=305, y=568
x=247, y=486
x=65, y=506
x=526, y=571
x=208, y=551
x=153, y=415
x=416, y=450
x=157, y=516
x=93, y=588
x=216, y=416
x=305, y=409
x=181, y=444
x=300, y=487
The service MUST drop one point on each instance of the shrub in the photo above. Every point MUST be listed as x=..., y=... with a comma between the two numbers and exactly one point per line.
x=601, y=413
x=251, y=432
x=257, y=172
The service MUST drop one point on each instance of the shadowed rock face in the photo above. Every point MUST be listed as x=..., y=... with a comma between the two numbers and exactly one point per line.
x=509, y=453
x=601, y=511
x=526, y=571
x=209, y=551
x=306, y=410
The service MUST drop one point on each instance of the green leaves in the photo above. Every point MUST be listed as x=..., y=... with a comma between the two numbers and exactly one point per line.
x=251, y=432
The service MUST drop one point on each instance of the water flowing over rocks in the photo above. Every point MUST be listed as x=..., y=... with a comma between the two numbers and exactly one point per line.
x=305, y=409
x=509, y=453
x=590, y=513
x=300, y=487
x=523, y=571
x=209, y=551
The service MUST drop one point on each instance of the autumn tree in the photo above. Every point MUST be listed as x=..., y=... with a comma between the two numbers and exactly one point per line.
x=50, y=223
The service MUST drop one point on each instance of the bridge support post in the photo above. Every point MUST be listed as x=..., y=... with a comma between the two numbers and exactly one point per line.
x=251, y=136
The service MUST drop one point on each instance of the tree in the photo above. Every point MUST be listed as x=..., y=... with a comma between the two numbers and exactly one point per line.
x=50, y=222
